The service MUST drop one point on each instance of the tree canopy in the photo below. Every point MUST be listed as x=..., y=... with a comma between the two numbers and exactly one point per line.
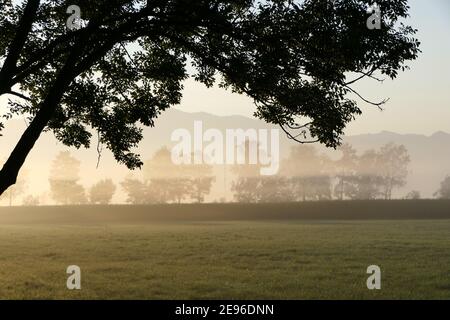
x=127, y=62
x=444, y=190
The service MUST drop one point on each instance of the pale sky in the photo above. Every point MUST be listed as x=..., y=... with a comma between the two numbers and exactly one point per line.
x=419, y=98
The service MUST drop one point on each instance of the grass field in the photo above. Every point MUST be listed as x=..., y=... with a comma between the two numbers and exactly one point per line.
x=133, y=252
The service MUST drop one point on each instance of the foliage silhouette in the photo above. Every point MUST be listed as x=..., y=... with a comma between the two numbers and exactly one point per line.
x=127, y=63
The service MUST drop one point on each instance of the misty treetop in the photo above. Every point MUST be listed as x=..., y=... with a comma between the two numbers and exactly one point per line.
x=64, y=179
x=373, y=174
x=444, y=190
x=127, y=62
x=163, y=181
x=66, y=188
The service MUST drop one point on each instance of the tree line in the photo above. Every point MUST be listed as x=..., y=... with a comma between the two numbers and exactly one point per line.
x=165, y=182
x=308, y=175
x=305, y=175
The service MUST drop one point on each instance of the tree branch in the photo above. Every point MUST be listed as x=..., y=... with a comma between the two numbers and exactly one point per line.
x=365, y=74
x=19, y=95
x=291, y=137
x=377, y=104
x=17, y=45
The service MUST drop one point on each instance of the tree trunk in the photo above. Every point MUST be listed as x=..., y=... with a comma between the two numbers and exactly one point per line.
x=342, y=191
x=10, y=170
x=14, y=50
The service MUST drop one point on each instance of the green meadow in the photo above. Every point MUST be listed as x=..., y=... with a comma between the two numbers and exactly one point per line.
x=240, y=252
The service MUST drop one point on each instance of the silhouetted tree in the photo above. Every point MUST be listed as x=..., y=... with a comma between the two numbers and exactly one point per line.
x=320, y=188
x=165, y=190
x=245, y=189
x=67, y=192
x=161, y=166
x=345, y=170
x=413, y=195
x=169, y=182
x=200, y=180
x=377, y=173
x=366, y=187
x=372, y=175
x=199, y=188
x=136, y=191
x=102, y=192
x=366, y=184
x=308, y=172
x=248, y=185
x=444, y=190
x=274, y=189
x=303, y=176
x=64, y=176
x=30, y=201
x=394, y=161
x=291, y=57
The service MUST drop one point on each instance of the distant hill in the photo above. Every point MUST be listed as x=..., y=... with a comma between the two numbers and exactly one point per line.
x=430, y=155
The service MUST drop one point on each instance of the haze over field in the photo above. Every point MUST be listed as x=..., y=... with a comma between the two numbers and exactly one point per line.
x=430, y=155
